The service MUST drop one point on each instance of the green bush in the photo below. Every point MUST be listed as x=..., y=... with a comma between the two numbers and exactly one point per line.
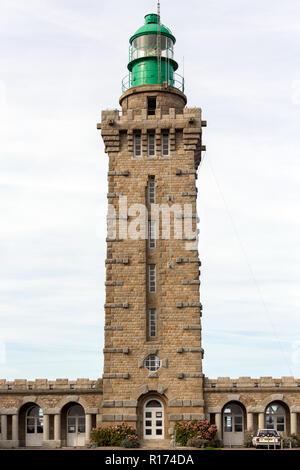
x=185, y=430
x=107, y=436
x=130, y=442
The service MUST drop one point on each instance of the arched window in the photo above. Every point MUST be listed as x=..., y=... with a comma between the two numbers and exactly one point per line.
x=34, y=420
x=233, y=418
x=35, y=411
x=275, y=417
x=153, y=404
x=76, y=410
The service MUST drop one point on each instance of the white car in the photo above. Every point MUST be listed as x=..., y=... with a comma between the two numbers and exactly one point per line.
x=266, y=438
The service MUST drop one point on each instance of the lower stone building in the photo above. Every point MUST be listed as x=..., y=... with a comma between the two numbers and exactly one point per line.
x=153, y=351
x=49, y=413
x=62, y=412
x=246, y=404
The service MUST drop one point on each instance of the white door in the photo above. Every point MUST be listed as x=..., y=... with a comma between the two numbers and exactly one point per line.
x=153, y=420
x=275, y=417
x=76, y=427
x=233, y=425
x=34, y=427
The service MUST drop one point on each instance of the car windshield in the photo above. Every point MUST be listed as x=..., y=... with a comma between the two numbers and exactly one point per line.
x=267, y=433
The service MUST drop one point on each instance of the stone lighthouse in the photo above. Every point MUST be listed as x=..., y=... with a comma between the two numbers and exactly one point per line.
x=153, y=353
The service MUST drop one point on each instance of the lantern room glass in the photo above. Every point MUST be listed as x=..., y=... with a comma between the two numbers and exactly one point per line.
x=147, y=46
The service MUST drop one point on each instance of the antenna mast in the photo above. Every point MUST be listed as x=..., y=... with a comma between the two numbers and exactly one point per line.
x=158, y=45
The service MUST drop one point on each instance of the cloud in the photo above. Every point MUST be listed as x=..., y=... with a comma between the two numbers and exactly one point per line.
x=62, y=16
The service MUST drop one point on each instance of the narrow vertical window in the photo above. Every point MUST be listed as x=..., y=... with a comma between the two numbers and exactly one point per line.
x=137, y=144
x=151, y=105
x=152, y=323
x=152, y=234
x=152, y=278
x=151, y=144
x=165, y=143
x=151, y=189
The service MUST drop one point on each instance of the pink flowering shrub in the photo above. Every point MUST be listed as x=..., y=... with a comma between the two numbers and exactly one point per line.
x=107, y=436
x=186, y=430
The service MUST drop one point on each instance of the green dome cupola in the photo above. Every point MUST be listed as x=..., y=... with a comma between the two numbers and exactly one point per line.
x=151, y=54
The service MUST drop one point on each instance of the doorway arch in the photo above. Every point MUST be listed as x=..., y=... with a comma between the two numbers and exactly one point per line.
x=276, y=417
x=34, y=422
x=76, y=426
x=153, y=419
x=233, y=424
x=73, y=425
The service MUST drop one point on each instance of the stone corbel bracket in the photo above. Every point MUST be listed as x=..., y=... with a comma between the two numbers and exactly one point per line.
x=189, y=304
x=116, y=350
x=191, y=283
x=118, y=173
x=113, y=328
x=192, y=327
x=116, y=376
x=195, y=375
x=117, y=261
x=185, y=172
x=114, y=283
x=125, y=305
x=191, y=350
x=188, y=260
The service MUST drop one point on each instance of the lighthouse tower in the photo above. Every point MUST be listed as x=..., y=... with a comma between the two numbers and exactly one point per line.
x=153, y=354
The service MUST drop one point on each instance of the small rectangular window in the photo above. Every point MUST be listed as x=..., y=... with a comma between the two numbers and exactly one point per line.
x=151, y=144
x=238, y=424
x=165, y=143
x=152, y=323
x=151, y=105
x=151, y=189
x=137, y=144
x=227, y=424
x=152, y=234
x=152, y=278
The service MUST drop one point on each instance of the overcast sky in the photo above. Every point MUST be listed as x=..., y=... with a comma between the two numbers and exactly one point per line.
x=61, y=62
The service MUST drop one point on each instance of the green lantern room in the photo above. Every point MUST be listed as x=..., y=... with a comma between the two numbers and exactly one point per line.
x=151, y=53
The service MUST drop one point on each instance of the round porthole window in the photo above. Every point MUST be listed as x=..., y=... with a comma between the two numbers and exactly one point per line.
x=152, y=363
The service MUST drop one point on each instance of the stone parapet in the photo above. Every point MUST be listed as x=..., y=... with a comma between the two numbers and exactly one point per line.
x=20, y=385
x=248, y=382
